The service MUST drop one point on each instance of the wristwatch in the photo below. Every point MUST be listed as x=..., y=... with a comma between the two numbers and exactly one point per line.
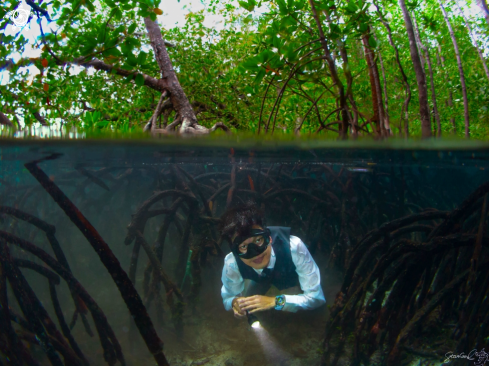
x=279, y=302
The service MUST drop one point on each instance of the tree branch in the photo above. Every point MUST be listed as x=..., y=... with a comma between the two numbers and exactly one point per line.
x=4, y=120
x=40, y=118
x=36, y=7
x=149, y=81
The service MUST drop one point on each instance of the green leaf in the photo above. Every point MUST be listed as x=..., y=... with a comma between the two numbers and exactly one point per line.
x=372, y=42
x=102, y=124
x=248, y=19
x=299, y=5
x=259, y=76
x=131, y=28
x=250, y=64
x=95, y=116
x=89, y=6
x=126, y=49
x=351, y=7
x=88, y=118
x=335, y=28
x=133, y=41
x=87, y=49
x=282, y=7
x=142, y=58
x=250, y=5
x=118, y=14
x=288, y=22
x=152, y=16
x=291, y=54
x=102, y=34
x=139, y=80
x=127, y=67
x=128, y=78
x=131, y=60
x=111, y=42
x=112, y=52
x=264, y=56
x=144, y=8
x=276, y=42
x=119, y=30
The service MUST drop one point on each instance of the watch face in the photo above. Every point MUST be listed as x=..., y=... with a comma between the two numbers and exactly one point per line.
x=279, y=300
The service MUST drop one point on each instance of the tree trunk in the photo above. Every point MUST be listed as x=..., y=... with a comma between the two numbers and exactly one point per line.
x=401, y=69
x=483, y=60
x=169, y=78
x=373, y=72
x=387, y=122
x=449, y=102
x=433, y=94
x=349, y=79
x=426, y=54
x=420, y=77
x=460, y=70
x=170, y=83
x=343, y=130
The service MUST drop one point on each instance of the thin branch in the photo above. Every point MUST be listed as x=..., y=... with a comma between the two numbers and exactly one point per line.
x=37, y=8
x=149, y=81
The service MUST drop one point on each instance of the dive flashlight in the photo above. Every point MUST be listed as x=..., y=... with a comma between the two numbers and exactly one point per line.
x=252, y=320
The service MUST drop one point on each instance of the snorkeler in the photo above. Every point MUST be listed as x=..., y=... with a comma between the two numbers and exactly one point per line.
x=266, y=256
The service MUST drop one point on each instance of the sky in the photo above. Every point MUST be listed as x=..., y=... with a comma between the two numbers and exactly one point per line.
x=174, y=13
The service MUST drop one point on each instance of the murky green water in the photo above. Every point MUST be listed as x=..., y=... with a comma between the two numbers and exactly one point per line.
x=334, y=197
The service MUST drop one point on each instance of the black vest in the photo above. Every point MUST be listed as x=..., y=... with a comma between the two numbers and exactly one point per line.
x=283, y=274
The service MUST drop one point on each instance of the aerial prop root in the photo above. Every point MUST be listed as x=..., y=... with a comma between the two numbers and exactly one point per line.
x=372, y=319
x=107, y=337
x=50, y=231
x=121, y=279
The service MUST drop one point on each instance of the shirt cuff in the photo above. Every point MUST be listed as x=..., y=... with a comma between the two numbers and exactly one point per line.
x=228, y=303
x=296, y=302
x=292, y=303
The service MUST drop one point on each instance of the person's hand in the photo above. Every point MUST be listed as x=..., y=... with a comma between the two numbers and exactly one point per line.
x=256, y=303
x=238, y=312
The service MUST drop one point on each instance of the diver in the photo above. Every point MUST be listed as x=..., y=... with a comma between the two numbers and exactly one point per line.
x=265, y=256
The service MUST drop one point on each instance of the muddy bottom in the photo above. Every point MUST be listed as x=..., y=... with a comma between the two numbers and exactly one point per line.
x=212, y=336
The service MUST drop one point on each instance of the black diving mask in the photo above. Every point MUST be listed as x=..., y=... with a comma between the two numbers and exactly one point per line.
x=253, y=250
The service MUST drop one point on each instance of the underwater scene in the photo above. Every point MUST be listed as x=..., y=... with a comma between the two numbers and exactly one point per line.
x=128, y=253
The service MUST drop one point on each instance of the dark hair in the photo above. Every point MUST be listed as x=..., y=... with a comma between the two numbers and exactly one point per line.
x=240, y=220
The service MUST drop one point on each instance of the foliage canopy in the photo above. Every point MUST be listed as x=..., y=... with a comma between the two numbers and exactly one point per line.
x=304, y=66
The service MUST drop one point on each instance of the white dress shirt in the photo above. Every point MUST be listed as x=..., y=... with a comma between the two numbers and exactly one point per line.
x=306, y=268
